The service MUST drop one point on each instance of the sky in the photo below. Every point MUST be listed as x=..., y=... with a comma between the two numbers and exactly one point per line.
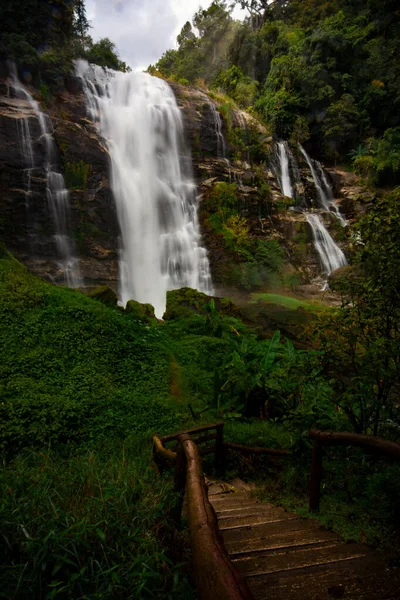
x=142, y=29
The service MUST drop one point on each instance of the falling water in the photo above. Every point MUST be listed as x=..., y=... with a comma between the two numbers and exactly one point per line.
x=331, y=256
x=152, y=184
x=329, y=252
x=284, y=172
x=221, y=145
x=324, y=190
x=57, y=194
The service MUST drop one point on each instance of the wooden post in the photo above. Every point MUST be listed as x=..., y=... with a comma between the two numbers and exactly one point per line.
x=220, y=450
x=316, y=476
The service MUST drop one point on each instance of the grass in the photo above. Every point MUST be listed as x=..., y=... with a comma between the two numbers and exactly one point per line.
x=96, y=525
x=286, y=302
x=82, y=387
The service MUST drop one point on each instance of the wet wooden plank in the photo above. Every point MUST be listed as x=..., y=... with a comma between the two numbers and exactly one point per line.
x=266, y=530
x=232, y=500
x=284, y=539
x=358, y=579
x=273, y=516
x=299, y=558
x=249, y=511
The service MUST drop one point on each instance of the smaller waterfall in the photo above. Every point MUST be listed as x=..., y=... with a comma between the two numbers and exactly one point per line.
x=323, y=187
x=284, y=172
x=286, y=168
x=330, y=254
x=57, y=194
x=221, y=145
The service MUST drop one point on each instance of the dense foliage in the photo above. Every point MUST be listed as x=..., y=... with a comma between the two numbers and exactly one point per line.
x=43, y=38
x=323, y=72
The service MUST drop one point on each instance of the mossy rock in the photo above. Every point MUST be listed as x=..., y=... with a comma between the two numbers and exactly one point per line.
x=144, y=312
x=104, y=294
x=184, y=303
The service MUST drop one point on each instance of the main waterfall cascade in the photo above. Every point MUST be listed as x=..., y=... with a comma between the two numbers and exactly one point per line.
x=152, y=184
x=330, y=255
x=57, y=194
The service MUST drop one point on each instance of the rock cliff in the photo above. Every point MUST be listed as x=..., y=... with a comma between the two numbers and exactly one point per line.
x=27, y=225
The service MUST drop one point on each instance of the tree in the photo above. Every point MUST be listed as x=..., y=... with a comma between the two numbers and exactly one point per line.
x=103, y=53
x=81, y=24
x=361, y=341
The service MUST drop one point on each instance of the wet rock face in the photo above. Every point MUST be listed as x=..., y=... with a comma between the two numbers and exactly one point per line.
x=27, y=223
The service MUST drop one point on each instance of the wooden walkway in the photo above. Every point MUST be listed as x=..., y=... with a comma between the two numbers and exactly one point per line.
x=285, y=557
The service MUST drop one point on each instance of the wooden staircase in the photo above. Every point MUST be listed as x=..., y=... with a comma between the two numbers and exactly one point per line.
x=285, y=557
x=244, y=549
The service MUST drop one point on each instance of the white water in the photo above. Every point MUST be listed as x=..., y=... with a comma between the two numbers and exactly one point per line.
x=221, y=145
x=330, y=254
x=152, y=184
x=323, y=187
x=57, y=194
x=284, y=179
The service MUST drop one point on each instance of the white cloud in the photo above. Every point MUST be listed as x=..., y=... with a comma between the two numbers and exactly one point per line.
x=142, y=29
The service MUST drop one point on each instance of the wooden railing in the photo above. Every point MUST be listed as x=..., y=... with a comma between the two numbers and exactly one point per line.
x=368, y=443
x=216, y=576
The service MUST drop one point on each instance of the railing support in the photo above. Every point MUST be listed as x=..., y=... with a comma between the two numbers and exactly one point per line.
x=220, y=451
x=316, y=476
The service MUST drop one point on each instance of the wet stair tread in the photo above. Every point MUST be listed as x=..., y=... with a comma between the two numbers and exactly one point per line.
x=286, y=557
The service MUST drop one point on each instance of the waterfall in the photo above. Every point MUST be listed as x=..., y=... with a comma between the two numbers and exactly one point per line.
x=329, y=252
x=221, y=145
x=283, y=171
x=56, y=192
x=331, y=256
x=152, y=183
x=323, y=187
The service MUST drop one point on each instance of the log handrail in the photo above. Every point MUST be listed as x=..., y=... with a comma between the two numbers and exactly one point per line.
x=193, y=431
x=320, y=439
x=216, y=576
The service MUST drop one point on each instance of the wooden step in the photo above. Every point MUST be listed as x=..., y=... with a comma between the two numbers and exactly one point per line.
x=251, y=509
x=266, y=530
x=238, y=522
x=299, y=558
x=283, y=539
x=357, y=579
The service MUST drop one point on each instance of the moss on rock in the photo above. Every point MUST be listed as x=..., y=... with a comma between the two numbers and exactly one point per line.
x=144, y=312
x=104, y=294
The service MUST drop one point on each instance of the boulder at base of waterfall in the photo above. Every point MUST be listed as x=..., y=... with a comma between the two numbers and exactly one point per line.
x=343, y=279
x=104, y=294
x=185, y=302
x=144, y=312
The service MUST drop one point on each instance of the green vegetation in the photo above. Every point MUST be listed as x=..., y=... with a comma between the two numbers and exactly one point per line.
x=76, y=175
x=286, y=301
x=251, y=262
x=326, y=72
x=43, y=38
x=84, y=383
